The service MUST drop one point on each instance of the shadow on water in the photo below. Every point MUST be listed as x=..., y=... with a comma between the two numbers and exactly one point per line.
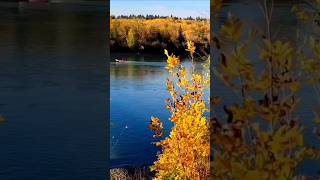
x=53, y=90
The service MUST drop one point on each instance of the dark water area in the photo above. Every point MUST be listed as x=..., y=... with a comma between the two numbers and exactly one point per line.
x=137, y=92
x=53, y=91
x=284, y=26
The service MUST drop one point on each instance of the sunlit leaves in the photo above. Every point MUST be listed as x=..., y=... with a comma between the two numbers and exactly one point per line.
x=156, y=126
x=191, y=48
x=132, y=39
x=185, y=153
x=172, y=60
x=158, y=33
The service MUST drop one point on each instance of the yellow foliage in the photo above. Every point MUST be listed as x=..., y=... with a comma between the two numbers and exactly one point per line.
x=156, y=126
x=191, y=47
x=159, y=33
x=260, y=138
x=172, y=60
x=186, y=152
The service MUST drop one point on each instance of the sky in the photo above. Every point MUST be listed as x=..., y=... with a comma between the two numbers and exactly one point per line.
x=179, y=8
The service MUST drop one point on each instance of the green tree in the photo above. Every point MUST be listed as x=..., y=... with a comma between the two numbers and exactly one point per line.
x=132, y=41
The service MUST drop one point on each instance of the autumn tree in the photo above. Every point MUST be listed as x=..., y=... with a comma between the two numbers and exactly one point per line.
x=158, y=33
x=132, y=39
x=186, y=151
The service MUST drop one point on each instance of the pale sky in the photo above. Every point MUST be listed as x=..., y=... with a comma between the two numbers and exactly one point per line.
x=179, y=8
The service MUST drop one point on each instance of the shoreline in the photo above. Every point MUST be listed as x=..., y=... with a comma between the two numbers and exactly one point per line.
x=130, y=173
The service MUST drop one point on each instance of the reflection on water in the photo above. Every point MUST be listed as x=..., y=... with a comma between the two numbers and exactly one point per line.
x=136, y=70
x=53, y=92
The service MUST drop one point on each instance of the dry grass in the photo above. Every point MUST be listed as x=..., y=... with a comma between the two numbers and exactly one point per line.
x=130, y=174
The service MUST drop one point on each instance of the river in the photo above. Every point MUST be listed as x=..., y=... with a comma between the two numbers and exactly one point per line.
x=53, y=91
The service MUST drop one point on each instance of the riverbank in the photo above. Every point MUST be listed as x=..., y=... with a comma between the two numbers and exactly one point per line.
x=154, y=35
x=157, y=51
x=149, y=57
x=131, y=173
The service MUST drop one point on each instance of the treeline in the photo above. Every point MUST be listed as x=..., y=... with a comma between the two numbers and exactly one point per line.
x=154, y=35
x=150, y=16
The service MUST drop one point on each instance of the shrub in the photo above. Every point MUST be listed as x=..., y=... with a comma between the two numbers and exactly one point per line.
x=186, y=151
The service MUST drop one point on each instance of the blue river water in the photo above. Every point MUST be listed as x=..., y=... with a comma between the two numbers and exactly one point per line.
x=137, y=91
x=53, y=92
